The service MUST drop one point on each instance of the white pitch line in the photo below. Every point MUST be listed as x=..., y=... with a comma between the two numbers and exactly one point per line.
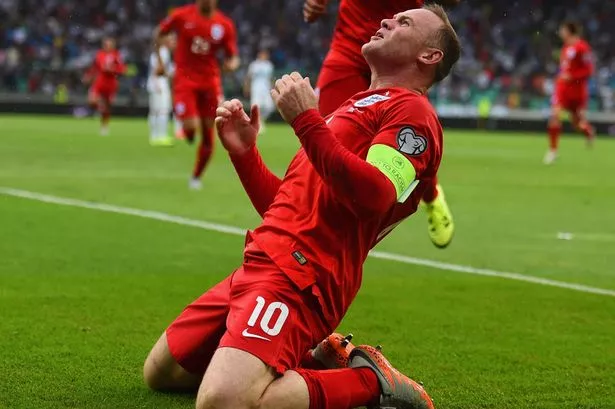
x=221, y=228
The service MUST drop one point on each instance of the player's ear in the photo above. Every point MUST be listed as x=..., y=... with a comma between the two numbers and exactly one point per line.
x=431, y=56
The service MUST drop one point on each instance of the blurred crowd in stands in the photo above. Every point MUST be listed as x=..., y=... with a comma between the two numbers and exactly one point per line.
x=510, y=48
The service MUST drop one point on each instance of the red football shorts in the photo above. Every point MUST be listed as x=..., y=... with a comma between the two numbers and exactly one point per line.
x=571, y=99
x=196, y=103
x=336, y=84
x=103, y=91
x=256, y=309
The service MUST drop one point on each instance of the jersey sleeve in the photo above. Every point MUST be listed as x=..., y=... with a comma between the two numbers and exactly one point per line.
x=405, y=147
x=230, y=40
x=170, y=23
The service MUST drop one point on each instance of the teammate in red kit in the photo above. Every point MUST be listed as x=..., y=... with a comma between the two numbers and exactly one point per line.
x=202, y=30
x=105, y=69
x=571, y=90
x=359, y=173
x=345, y=72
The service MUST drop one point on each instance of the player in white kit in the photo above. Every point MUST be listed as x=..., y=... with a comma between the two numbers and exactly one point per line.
x=259, y=82
x=159, y=89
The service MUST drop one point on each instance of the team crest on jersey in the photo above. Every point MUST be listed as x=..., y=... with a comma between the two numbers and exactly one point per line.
x=217, y=32
x=410, y=143
x=371, y=100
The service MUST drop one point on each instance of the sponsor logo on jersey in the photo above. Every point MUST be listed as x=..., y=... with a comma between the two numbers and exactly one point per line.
x=410, y=143
x=371, y=100
x=217, y=32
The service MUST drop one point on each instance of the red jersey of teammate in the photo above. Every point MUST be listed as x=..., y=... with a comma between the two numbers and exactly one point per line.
x=315, y=234
x=107, y=66
x=576, y=67
x=357, y=21
x=199, y=38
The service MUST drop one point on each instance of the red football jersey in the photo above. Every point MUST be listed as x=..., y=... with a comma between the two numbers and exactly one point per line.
x=107, y=66
x=313, y=237
x=199, y=38
x=357, y=21
x=576, y=63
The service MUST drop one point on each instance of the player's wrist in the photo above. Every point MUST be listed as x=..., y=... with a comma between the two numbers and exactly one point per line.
x=306, y=118
x=243, y=154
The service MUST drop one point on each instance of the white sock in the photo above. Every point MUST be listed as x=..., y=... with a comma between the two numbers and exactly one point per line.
x=153, y=131
x=162, y=124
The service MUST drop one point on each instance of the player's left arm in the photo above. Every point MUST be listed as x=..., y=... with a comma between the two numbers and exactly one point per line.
x=120, y=66
x=586, y=68
x=231, y=52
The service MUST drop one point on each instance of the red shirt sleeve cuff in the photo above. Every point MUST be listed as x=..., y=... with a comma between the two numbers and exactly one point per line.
x=305, y=120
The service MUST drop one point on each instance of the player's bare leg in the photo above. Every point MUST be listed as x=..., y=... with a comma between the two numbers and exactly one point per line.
x=580, y=122
x=236, y=379
x=440, y=224
x=554, y=128
x=204, y=152
x=105, y=116
x=162, y=373
x=190, y=128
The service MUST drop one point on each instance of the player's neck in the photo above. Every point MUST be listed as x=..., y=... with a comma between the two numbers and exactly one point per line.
x=572, y=40
x=207, y=13
x=397, y=81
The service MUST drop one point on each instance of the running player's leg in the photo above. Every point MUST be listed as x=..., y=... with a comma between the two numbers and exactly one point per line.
x=207, y=103
x=554, y=129
x=105, y=111
x=152, y=118
x=163, y=114
x=580, y=122
x=336, y=85
x=187, y=112
x=179, y=359
x=94, y=98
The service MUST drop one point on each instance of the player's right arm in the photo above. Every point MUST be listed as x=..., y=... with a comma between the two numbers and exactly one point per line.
x=169, y=24
x=238, y=134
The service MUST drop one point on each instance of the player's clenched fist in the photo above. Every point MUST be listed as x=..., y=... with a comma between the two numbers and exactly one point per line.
x=293, y=95
x=237, y=131
x=313, y=9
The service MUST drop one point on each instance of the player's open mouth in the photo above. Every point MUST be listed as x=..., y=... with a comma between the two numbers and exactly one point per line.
x=377, y=36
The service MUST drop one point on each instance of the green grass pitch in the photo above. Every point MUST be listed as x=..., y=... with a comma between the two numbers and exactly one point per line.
x=84, y=293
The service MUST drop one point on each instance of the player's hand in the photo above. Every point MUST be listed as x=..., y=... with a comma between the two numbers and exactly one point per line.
x=293, y=95
x=237, y=131
x=566, y=77
x=313, y=10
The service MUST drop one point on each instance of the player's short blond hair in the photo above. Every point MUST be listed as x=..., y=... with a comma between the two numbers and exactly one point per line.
x=446, y=40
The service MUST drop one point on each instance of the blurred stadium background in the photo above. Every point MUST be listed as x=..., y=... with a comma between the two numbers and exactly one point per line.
x=102, y=244
x=510, y=54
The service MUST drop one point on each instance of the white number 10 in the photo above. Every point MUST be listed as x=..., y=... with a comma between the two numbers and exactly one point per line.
x=265, y=321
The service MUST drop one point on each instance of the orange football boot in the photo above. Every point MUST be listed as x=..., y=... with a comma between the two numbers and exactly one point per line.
x=397, y=390
x=334, y=351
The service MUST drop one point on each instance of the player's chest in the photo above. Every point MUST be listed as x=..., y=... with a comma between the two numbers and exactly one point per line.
x=356, y=123
x=203, y=35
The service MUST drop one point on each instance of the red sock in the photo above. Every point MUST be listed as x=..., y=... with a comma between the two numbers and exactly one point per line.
x=309, y=362
x=341, y=388
x=431, y=191
x=105, y=116
x=587, y=130
x=554, y=131
x=204, y=152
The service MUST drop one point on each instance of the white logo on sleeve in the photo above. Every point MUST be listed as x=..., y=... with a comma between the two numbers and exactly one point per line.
x=371, y=100
x=410, y=143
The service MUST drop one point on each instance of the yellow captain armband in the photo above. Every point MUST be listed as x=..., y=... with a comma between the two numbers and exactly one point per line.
x=395, y=166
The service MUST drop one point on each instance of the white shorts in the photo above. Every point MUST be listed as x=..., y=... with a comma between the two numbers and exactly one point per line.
x=160, y=97
x=263, y=100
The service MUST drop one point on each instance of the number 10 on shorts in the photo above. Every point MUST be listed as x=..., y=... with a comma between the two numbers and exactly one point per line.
x=265, y=319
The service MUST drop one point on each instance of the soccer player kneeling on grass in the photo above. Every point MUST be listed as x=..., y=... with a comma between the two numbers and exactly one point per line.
x=360, y=172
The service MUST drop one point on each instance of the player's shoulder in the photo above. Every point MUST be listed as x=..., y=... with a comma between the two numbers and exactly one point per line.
x=187, y=9
x=413, y=102
x=583, y=45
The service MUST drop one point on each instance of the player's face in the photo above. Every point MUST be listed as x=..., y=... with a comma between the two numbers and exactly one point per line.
x=403, y=38
x=108, y=44
x=171, y=41
x=206, y=6
x=564, y=33
x=263, y=55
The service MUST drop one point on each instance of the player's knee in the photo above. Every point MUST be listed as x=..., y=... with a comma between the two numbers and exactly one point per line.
x=223, y=397
x=162, y=373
